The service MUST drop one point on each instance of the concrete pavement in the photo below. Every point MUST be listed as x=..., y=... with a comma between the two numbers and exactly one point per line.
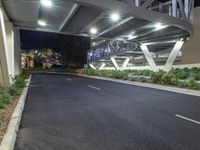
x=65, y=112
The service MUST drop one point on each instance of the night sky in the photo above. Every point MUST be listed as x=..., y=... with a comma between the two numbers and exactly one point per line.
x=73, y=47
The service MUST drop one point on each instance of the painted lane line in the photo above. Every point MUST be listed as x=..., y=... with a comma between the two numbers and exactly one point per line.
x=188, y=119
x=69, y=79
x=96, y=88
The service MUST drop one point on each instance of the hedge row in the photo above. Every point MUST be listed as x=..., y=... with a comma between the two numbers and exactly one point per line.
x=7, y=94
x=178, y=77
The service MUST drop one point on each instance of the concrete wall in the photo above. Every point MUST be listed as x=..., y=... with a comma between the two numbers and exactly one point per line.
x=191, y=49
x=9, y=59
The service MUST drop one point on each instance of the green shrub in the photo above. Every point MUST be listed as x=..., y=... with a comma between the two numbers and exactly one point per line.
x=192, y=83
x=196, y=76
x=5, y=98
x=182, y=74
x=20, y=83
x=13, y=90
x=156, y=76
x=169, y=79
x=182, y=84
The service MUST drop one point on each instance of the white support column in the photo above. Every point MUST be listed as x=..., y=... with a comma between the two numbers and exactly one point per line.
x=4, y=71
x=186, y=6
x=124, y=65
x=191, y=12
x=114, y=63
x=172, y=56
x=92, y=66
x=137, y=3
x=174, y=8
x=10, y=47
x=149, y=58
x=102, y=66
x=182, y=9
x=17, y=52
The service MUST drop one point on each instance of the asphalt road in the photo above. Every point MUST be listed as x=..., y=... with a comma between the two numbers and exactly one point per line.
x=66, y=112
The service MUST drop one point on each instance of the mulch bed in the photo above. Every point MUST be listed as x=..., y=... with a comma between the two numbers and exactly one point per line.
x=5, y=116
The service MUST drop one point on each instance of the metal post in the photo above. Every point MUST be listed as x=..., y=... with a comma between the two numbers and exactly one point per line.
x=186, y=5
x=174, y=8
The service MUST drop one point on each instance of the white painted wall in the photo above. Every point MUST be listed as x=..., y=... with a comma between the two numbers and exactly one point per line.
x=4, y=63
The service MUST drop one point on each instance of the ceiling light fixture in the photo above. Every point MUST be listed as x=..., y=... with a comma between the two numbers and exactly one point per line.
x=114, y=16
x=47, y=3
x=93, y=31
x=131, y=37
x=159, y=26
x=42, y=23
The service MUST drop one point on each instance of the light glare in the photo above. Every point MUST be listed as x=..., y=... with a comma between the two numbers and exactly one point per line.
x=42, y=23
x=115, y=17
x=47, y=3
x=159, y=26
x=93, y=30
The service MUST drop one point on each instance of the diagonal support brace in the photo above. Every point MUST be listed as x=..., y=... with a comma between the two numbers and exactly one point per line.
x=114, y=63
x=172, y=56
x=149, y=58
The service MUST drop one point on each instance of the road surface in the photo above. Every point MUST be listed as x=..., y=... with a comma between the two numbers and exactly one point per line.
x=65, y=112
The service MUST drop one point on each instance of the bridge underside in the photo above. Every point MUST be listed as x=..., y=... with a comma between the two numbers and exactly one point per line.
x=154, y=30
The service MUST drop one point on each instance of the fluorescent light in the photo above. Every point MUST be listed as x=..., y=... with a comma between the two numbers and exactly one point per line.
x=114, y=17
x=130, y=37
x=93, y=30
x=47, y=3
x=159, y=26
x=94, y=43
x=42, y=23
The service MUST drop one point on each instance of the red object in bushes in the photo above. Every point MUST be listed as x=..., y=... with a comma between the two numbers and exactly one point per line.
x=81, y=72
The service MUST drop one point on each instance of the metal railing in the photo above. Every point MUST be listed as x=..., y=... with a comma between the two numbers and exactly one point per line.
x=181, y=9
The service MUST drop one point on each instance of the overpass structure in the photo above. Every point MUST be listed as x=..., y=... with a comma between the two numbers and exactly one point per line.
x=121, y=30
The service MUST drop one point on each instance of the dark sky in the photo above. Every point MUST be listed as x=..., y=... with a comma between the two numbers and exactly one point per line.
x=38, y=40
x=73, y=48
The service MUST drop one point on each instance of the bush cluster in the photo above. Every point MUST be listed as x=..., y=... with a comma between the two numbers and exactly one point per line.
x=177, y=77
x=7, y=94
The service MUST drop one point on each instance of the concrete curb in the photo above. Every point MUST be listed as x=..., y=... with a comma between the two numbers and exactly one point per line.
x=9, y=138
x=148, y=85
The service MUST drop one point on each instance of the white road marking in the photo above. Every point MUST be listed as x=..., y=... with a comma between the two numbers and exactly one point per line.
x=69, y=79
x=188, y=119
x=96, y=88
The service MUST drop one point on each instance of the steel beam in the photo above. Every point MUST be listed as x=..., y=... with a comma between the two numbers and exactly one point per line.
x=149, y=57
x=126, y=8
x=116, y=25
x=92, y=66
x=124, y=65
x=147, y=3
x=186, y=6
x=102, y=66
x=173, y=55
x=114, y=63
x=182, y=9
x=69, y=16
x=102, y=15
x=174, y=8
